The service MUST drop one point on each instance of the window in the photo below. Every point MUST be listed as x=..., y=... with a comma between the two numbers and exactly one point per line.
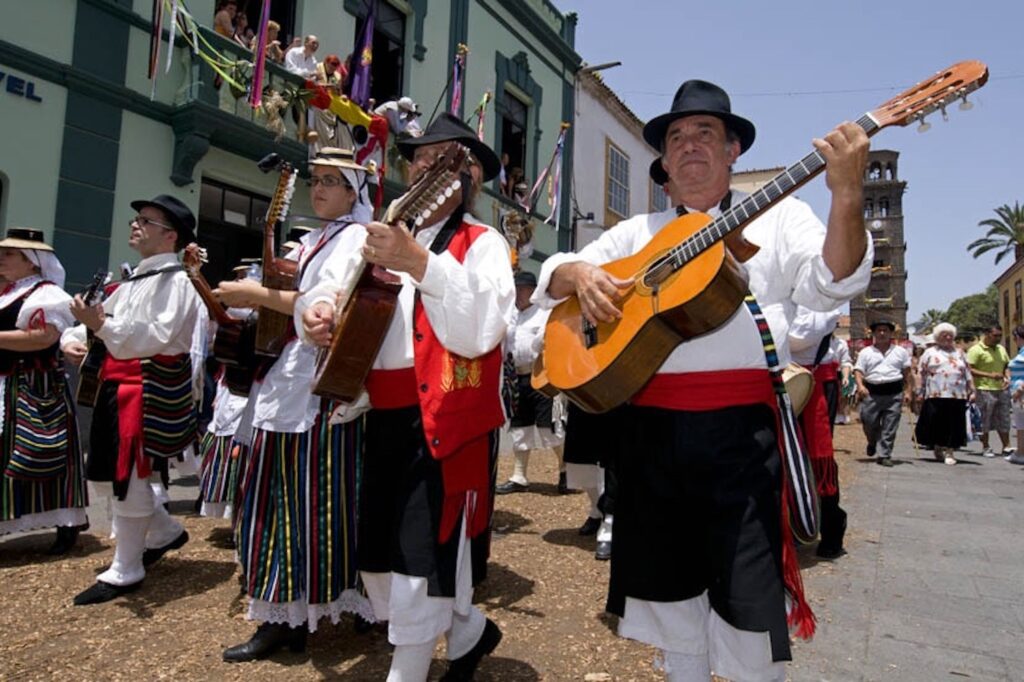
x=878, y=263
x=883, y=207
x=1006, y=308
x=230, y=227
x=281, y=11
x=617, y=183
x=876, y=172
x=1016, y=298
x=388, y=51
x=878, y=292
x=515, y=114
x=659, y=198
x=869, y=208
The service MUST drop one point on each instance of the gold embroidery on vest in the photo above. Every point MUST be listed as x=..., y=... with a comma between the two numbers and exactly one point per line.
x=459, y=372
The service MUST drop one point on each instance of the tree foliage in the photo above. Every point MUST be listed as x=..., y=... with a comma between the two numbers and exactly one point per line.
x=974, y=314
x=1005, y=234
x=928, y=320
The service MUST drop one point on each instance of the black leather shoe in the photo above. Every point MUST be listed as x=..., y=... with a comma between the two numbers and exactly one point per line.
x=462, y=668
x=829, y=552
x=590, y=526
x=603, y=551
x=65, y=541
x=103, y=592
x=269, y=637
x=151, y=556
x=563, y=484
x=510, y=487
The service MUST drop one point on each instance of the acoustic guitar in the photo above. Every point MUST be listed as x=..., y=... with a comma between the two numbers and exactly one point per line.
x=278, y=273
x=685, y=282
x=88, y=390
x=361, y=324
x=234, y=344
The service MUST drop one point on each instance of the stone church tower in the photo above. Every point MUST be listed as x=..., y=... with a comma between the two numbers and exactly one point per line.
x=886, y=295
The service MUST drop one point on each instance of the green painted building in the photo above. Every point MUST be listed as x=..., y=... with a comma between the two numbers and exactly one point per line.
x=85, y=131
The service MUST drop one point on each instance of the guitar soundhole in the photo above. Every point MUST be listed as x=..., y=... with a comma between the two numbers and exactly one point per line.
x=589, y=334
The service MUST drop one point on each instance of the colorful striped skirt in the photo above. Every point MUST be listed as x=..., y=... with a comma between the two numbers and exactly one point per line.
x=57, y=501
x=220, y=459
x=296, y=530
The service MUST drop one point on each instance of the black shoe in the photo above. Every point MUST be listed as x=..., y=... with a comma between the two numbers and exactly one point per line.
x=151, y=556
x=65, y=541
x=885, y=461
x=511, y=487
x=871, y=451
x=590, y=526
x=603, y=551
x=462, y=668
x=829, y=552
x=563, y=484
x=103, y=592
x=269, y=637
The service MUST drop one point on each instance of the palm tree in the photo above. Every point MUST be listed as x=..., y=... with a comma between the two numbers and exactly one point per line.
x=928, y=320
x=1005, y=234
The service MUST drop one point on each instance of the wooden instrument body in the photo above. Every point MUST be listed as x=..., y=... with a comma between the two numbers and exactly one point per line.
x=88, y=390
x=692, y=301
x=272, y=326
x=234, y=347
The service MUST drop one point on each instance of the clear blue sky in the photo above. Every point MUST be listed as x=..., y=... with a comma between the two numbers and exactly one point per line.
x=797, y=68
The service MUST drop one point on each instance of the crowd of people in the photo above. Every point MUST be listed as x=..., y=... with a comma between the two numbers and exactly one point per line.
x=382, y=506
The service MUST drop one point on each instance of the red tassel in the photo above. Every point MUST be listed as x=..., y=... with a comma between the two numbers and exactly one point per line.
x=800, y=617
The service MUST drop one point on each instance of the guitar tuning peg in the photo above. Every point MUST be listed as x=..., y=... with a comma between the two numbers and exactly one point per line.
x=964, y=104
x=925, y=126
x=942, y=108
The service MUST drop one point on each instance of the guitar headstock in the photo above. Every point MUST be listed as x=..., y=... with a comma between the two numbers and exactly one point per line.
x=934, y=94
x=282, y=199
x=193, y=259
x=94, y=291
x=435, y=194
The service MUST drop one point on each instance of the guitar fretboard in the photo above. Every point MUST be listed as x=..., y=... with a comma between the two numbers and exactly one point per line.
x=742, y=213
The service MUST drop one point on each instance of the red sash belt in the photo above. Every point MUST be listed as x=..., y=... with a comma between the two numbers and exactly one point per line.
x=704, y=391
x=827, y=372
x=390, y=389
x=817, y=431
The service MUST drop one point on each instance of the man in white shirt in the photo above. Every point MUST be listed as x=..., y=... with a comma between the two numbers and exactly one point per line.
x=884, y=384
x=706, y=452
x=302, y=60
x=144, y=412
x=402, y=115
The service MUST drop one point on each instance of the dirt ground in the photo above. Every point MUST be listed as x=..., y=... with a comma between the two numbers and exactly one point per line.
x=544, y=589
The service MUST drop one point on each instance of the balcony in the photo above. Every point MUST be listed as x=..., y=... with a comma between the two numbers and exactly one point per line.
x=879, y=303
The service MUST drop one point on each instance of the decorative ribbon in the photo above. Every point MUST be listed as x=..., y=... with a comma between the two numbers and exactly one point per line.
x=458, y=72
x=554, y=169
x=481, y=110
x=259, y=59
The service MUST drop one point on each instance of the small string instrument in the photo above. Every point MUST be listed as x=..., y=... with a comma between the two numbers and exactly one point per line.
x=89, y=372
x=685, y=282
x=278, y=273
x=362, y=322
x=234, y=342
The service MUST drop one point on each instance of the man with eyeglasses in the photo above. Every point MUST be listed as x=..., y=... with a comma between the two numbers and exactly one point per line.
x=144, y=411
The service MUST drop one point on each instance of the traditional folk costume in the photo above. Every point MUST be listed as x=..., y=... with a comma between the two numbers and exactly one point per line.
x=810, y=340
x=296, y=528
x=221, y=456
x=145, y=410
x=703, y=475
x=431, y=437
x=42, y=473
x=532, y=426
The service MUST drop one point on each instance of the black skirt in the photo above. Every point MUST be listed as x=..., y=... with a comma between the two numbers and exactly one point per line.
x=943, y=423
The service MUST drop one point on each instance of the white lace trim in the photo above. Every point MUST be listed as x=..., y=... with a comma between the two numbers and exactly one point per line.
x=48, y=519
x=297, y=613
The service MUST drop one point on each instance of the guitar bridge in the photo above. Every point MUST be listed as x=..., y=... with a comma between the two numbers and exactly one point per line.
x=589, y=334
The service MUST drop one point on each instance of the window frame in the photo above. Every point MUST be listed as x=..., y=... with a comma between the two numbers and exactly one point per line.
x=612, y=215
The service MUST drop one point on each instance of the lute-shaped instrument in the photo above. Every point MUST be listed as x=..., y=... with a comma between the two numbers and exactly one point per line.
x=685, y=282
x=278, y=273
x=89, y=371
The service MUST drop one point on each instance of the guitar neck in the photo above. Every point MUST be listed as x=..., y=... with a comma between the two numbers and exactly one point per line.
x=218, y=311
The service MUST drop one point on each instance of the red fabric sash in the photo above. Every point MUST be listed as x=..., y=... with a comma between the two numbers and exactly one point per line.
x=705, y=391
x=392, y=388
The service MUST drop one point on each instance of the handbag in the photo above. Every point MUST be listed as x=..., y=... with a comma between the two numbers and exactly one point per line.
x=41, y=437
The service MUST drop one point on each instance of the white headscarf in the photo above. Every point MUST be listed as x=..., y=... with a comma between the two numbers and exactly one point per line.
x=362, y=211
x=49, y=265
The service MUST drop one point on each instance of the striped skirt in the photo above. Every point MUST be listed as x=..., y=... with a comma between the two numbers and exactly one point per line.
x=58, y=501
x=296, y=531
x=220, y=461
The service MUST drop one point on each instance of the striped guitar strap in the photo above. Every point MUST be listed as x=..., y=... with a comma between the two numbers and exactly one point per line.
x=801, y=494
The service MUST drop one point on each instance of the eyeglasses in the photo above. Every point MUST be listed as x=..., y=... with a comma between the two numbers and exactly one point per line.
x=142, y=221
x=328, y=181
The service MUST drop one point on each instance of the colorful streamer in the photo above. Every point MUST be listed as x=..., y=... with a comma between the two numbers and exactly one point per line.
x=260, y=59
x=458, y=73
x=481, y=109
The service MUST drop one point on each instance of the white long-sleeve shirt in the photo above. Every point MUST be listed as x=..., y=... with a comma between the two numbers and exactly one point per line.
x=789, y=270
x=524, y=337
x=470, y=305
x=807, y=330
x=49, y=300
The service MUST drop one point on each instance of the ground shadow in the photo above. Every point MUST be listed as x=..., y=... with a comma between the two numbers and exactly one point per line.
x=569, y=537
x=506, y=522
x=807, y=557
x=31, y=549
x=547, y=490
x=503, y=588
x=172, y=578
x=221, y=538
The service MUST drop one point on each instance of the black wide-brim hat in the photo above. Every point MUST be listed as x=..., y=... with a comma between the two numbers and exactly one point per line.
x=882, y=322
x=700, y=97
x=178, y=214
x=657, y=172
x=448, y=128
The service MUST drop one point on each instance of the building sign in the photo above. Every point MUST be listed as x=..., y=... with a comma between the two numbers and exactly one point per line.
x=19, y=87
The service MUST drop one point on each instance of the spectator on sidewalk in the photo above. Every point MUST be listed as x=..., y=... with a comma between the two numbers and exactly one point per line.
x=302, y=60
x=883, y=385
x=989, y=362
x=946, y=386
x=1016, y=368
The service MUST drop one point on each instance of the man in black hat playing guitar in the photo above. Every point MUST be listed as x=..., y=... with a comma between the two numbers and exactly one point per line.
x=703, y=479
x=144, y=411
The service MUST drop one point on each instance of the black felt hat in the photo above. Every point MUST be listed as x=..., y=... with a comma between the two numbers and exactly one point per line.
x=178, y=214
x=700, y=97
x=657, y=172
x=882, y=322
x=448, y=128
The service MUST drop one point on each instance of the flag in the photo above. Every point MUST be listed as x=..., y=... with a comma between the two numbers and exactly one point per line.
x=358, y=89
x=458, y=71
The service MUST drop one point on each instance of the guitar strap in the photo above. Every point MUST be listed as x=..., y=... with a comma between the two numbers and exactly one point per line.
x=153, y=273
x=316, y=249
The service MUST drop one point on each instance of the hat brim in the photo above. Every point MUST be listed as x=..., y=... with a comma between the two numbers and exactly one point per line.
x=657, y=172
x=654, y=131
x=15, y=243
x=186, y=235
x=890, y=325
x=338, y=163
x=489, y=162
